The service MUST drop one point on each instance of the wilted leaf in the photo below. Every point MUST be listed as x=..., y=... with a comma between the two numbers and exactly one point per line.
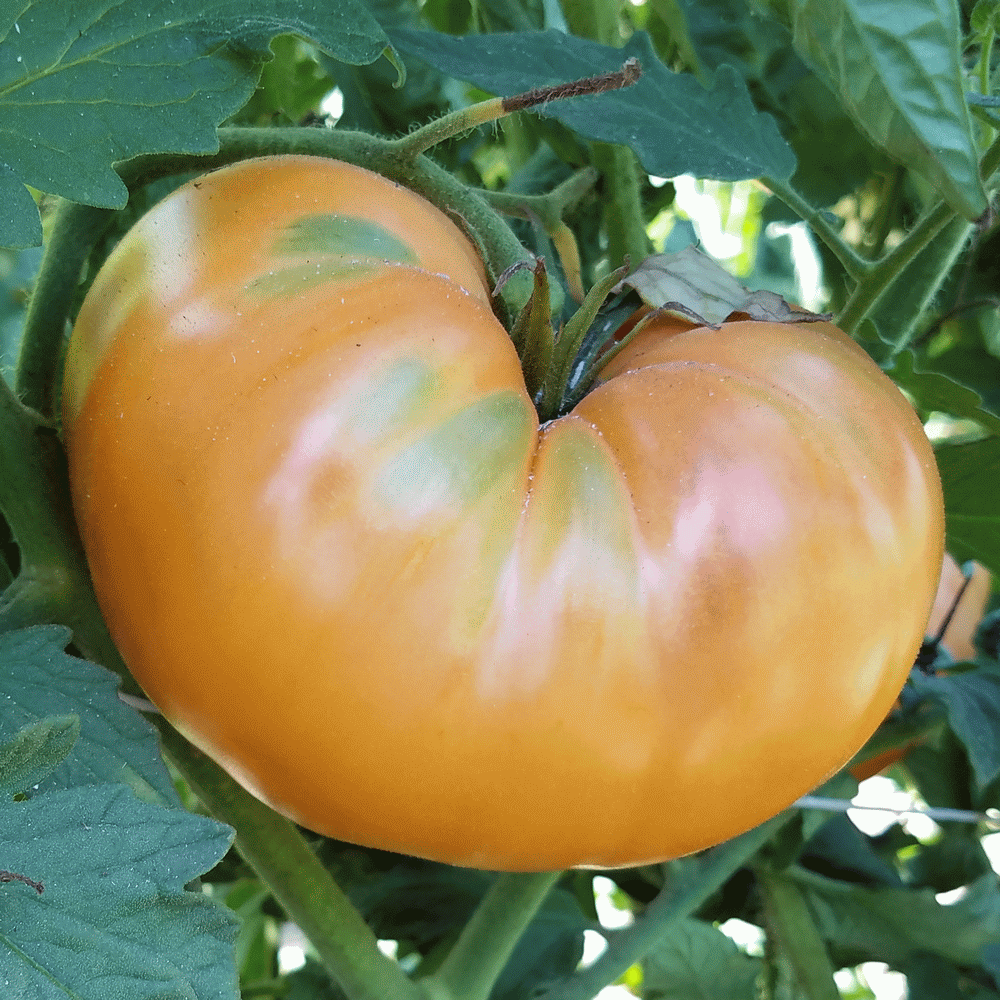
x=691, y=284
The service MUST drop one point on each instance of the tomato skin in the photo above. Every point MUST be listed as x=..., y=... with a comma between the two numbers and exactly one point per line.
x=338, y=552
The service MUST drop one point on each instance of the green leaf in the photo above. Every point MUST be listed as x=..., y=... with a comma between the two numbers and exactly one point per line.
x=970, y=475
x=696, y=961
x=839, y=849
x=972, y=698
x=670, y=120
x=937, y=391
x=985, y=17
x=38, y=680
x=892, y=925
x=36, y=751
x=77, y=93
x=955, y=859
x=312, y=982
x=931, y=978
x=24, y=228
x=897, y=71
x=113, y=919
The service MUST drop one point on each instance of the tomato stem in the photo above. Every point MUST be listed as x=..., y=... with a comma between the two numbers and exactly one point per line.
x=547, y=211
x=455, y=123
x=819, y=222
x=73, y=231
x=53, y=584
x=280, y=855
x=477, y=958
x=894, y=264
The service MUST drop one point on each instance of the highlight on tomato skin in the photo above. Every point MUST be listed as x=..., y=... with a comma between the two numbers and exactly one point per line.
x=337, y=550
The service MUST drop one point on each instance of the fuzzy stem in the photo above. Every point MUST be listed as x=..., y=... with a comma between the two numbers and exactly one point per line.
x=853, y=263
x=624, y=220
x=479, y=955
x=74, y=231
x=895, y=263
x=867, y=294
x=548, y=209
x=53, y=584
x=457, y=122
x=280, y=855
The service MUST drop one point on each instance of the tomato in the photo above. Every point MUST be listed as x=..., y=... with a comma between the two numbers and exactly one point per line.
x=337, y=550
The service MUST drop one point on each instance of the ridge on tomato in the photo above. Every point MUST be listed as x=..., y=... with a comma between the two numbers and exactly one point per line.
x=337, y=550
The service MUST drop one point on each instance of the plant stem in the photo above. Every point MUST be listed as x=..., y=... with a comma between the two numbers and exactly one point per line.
x=853, y=263
x=888, y=204
x=280, y=855
x=74, y=231
x=899, y=312
x=868, y=292
x=887, y=270
x=670, y=906
x=479, y=955
x=53, y=584
x=624, y=220
x=547, y=210
x=792, y=924
x=495, y=239
x=453, y=124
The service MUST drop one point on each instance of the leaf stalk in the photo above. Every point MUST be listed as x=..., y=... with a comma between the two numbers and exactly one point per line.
x=475, y=962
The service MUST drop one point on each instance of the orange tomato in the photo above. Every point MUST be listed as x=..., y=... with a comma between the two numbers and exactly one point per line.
x=338, y=551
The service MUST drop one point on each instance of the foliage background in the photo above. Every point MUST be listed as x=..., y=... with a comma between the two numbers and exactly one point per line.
x=866, y=128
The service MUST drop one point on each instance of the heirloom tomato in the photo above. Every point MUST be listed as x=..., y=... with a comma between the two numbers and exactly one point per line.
x=338, y=551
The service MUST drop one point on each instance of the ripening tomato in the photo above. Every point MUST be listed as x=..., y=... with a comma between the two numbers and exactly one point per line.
x=339, y=553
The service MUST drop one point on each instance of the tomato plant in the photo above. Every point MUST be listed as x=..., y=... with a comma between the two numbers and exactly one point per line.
x=450, y=472
x=369, y=554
